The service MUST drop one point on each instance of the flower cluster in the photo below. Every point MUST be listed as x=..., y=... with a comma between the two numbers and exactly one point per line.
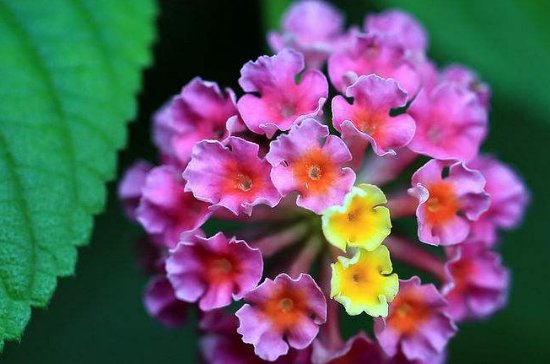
x=276, y=203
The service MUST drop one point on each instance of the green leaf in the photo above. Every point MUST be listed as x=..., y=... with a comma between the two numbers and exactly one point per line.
x=507, y=40
x=272, y=11
x=69, y=73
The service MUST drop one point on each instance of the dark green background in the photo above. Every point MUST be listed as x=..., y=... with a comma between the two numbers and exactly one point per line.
x=97, y=316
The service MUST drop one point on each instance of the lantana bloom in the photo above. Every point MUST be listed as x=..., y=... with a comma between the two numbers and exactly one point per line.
x=213, y=271
x=357, y=349
x=464, y=77
x=281, y=102
x=361, y=221
x=162, y=304
x=315, y=169
x=451, y=123
x=129, y=188
x=399, y=28
x=282, y=313
x=221, y=344
x=447, y=205
x=165, y=209
x=365, y=283
x=477, y=283
x=369, y=115
x=301, y=31
x=508, y=199
x=315, y=186
x=370, y=53
x=418, y=325
x=231, y=175
x=201, y=111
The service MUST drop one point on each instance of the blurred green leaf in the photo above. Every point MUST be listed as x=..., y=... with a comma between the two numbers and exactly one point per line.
x=272, y=10
x=507, y=40
x=69, y=72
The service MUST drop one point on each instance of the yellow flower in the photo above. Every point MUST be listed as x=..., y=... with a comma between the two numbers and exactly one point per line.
x=364, y=283
x=360, y=222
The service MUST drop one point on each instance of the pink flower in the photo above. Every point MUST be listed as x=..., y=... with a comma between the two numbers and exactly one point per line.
x=509, y=197
x=281, y=102
x=447, y=205
x=466, y=78
x=311, y=162
x=221, y=344
x=417, y=325
x=358, y=349
x=372, y=54
x=213, y=271
x=450, y=123
x=361, y=349
x=477, y=282
x=129, y=188
x=166, y=209
x=368, y=117
x=281, y=313
x=398, y=27
x=401, y=359
x=313, y=27
x=161, y=303
x=230, y=175
x=200, y=111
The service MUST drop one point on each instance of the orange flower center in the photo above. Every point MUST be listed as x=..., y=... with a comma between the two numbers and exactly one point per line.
x=287, y=109
x=408, y=314
x=314, y=172
x=372, y=51
x=219, y=269
x=285, y=309
x=461, y=271
x=368, y=123
x=442, y=205
x=243, y=182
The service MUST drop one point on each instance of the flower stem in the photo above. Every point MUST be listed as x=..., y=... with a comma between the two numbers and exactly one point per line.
x=402, y=204
x=409, y=253
x=306, y=257
x=271, y=244
x=330, y=332
x=381, y=170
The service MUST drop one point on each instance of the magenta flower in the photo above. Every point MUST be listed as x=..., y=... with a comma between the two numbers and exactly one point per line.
x=310, y=161
x=399, y=28
x=162, y=304
x=213, y=271
x=369, y=115
x=129, y=188
x=221, y=344
x=312, y=199
x=450, y=123
x=417, y=325
x=477, y=282
x=509, y=197
x=200, y=111
x=282, y=313
x=281, y=102
x=447, y=205
x=358, y=349
x=372, y=54
x=466, y=78
x=361, y=349
x=165, y=209
x=231, y=175
x=301, y=31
